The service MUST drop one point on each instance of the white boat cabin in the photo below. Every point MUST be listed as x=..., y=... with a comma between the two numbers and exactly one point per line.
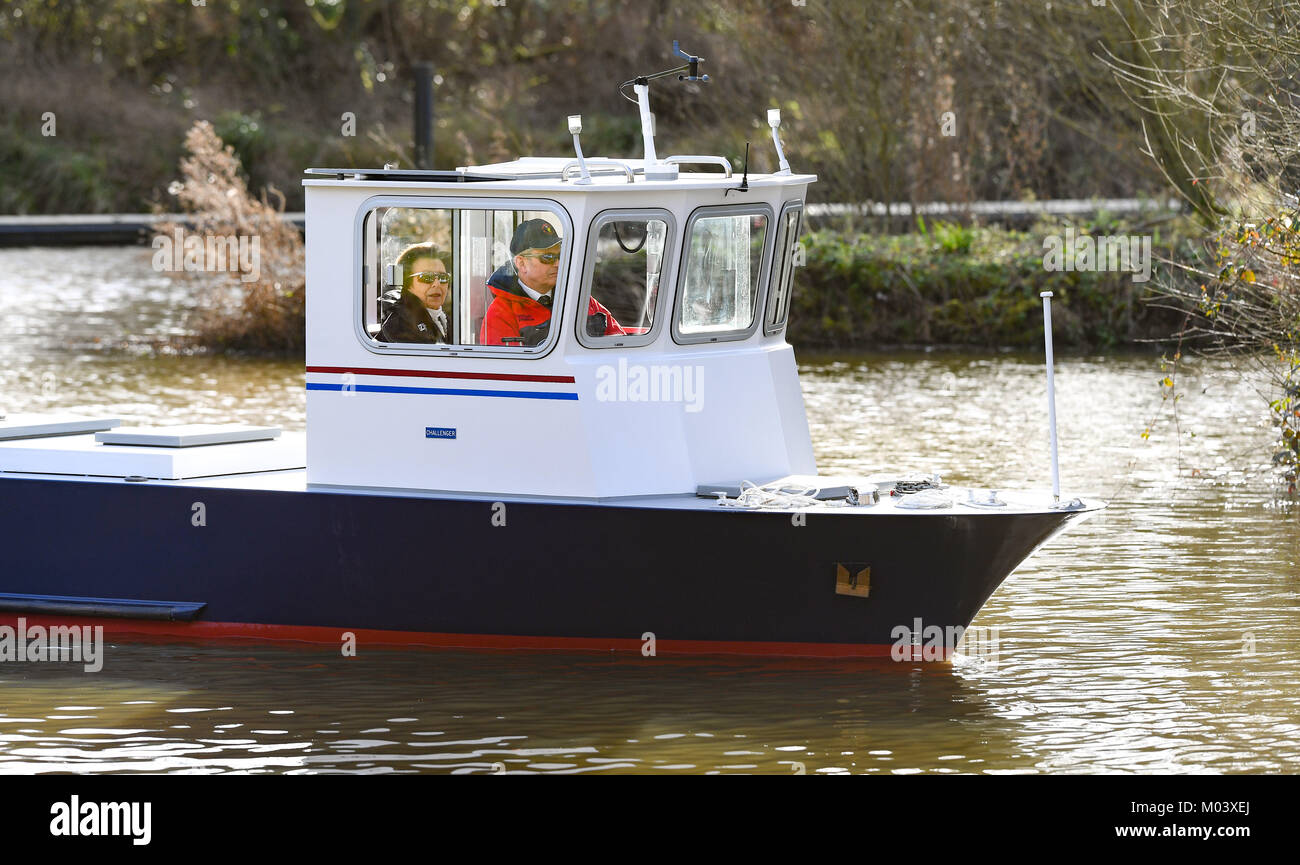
x=684, y=378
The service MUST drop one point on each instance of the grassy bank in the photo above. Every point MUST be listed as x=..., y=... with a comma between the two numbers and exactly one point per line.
x=941, y=285
x=949, y=285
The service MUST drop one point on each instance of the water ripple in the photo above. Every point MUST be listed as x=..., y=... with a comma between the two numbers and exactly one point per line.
x=1161, y=636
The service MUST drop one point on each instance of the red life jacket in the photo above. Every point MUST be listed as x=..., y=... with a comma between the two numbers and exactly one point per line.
x=512, y=309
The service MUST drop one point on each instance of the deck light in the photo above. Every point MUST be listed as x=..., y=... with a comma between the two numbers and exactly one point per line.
x=575, y=129
x=774, y=121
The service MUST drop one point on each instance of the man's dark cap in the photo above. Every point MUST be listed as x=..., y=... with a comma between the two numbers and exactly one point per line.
x=533, y=234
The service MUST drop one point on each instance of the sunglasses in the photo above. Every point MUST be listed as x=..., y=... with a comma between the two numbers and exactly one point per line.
x=543, y=257
x=429, y=276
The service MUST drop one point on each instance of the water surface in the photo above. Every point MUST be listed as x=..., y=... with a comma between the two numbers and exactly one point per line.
x=1163, y=635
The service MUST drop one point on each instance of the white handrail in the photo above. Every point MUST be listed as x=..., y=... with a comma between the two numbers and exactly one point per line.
x=564, y=172
x=703, y=160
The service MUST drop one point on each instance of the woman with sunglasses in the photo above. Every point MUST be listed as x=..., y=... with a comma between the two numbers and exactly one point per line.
x=418, y=315
x=523, y=291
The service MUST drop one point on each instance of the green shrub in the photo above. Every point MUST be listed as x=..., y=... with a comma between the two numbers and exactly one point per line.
x=51, y=170
x=957, y=286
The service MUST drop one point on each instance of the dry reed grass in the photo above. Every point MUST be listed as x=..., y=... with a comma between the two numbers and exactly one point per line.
x=264, y=315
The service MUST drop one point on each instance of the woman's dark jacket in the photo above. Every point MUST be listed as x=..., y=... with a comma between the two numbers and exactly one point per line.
x=410, y=321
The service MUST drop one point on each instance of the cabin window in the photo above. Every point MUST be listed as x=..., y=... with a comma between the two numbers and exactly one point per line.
x=445, y=279
x=722, y=266
x=783, y=264
x=624, y=269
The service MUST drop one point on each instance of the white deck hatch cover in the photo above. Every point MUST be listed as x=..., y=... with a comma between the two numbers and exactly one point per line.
x=187, y=436
x=29, y=426
x=82, y=455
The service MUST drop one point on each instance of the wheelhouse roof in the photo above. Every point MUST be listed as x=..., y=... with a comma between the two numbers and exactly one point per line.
x=543, y=173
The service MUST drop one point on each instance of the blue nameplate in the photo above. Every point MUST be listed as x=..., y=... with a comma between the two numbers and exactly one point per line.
x=439, y=432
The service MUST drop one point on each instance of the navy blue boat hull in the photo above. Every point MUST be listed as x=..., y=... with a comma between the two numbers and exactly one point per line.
x=579, y=575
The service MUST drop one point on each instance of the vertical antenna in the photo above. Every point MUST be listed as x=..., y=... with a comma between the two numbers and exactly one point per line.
x=1051, y=393
x=744, y=180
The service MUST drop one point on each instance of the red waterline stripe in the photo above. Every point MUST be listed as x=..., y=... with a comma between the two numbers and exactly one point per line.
x=422, y=373
x=364, y=636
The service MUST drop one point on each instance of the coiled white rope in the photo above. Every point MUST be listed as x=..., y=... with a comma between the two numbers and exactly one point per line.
x=776, y=496
x=933, y=498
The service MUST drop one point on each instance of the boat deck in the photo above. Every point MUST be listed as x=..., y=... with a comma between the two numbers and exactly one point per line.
x=295, y=481
x=232, y=457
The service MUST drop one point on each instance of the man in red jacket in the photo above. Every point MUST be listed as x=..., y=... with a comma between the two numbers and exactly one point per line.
x=523, y=289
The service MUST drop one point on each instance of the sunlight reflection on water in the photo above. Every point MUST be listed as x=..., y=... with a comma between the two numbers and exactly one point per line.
x=1162, y=635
